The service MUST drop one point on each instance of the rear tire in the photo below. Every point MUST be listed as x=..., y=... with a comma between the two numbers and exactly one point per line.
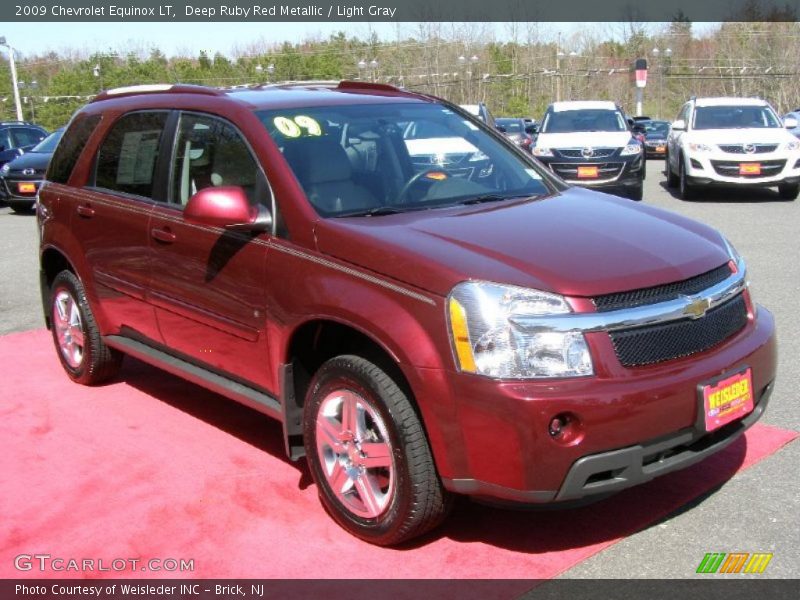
x=80, y=348
x=636, y=193
x=368, y=454
x=789, y=191
x=21, y=210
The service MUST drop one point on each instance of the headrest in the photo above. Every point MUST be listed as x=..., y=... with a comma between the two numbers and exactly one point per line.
x=318, y=160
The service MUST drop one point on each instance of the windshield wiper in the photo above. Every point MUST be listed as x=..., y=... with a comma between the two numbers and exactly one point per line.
x=490, y=198
x=378, y=211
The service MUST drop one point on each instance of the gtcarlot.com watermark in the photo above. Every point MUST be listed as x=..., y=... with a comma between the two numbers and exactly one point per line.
x=46, y=563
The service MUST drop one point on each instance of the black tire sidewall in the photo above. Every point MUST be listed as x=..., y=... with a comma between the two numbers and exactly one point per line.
x=333, y=376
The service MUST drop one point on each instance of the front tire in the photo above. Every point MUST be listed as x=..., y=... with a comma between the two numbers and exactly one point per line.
x=80, y=348
x=789, y=191
x=636, y=193
x=672, y=179
x=369, y=455
x=685, y=189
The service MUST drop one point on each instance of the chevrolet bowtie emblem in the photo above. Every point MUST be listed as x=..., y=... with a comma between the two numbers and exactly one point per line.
x=696, y=307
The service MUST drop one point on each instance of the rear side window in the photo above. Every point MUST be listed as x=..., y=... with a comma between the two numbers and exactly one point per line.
x=27, y=136
x=127, y=159
x=70, y=148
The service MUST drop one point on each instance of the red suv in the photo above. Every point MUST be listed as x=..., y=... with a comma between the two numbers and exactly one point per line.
x=422, y=305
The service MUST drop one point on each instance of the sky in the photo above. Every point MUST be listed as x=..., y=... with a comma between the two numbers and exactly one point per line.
x=190, y=38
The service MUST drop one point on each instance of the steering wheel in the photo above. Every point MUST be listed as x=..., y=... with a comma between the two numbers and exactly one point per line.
x=416, y=178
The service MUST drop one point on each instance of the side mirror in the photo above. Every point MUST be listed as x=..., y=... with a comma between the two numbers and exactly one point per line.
x=790, y=122
x=226, y=206
x=500, y=128
x=532, y=129
x=679, y=125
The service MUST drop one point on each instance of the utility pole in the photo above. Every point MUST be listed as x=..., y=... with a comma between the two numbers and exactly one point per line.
x=14, y=84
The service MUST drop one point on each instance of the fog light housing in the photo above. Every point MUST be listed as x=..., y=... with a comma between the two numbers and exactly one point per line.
x=565, y=428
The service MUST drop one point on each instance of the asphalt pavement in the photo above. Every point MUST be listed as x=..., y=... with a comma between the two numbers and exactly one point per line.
x=758, y=510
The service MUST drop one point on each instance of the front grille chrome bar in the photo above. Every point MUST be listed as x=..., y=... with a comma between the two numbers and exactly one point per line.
x=684, y=307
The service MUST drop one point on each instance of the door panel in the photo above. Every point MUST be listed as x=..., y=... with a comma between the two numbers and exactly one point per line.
x=111, y=220
x=208, y=283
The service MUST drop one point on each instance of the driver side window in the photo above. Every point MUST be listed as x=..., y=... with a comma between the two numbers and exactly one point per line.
x=211, y=153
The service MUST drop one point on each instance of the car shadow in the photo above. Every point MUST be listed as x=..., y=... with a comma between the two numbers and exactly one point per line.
x=728, y=195
x=532, y=530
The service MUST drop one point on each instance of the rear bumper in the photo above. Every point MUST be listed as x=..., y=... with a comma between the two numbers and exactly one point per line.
x=636, y=423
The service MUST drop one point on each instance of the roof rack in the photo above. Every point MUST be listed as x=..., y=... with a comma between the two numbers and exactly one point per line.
x=157, y=88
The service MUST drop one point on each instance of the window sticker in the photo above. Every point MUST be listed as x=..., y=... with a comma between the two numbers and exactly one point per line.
x=294, y=128
x=137, y=157
x=287, y=127
x=309, y=124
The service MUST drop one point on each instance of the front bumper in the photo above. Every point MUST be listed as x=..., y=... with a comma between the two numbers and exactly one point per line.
x=9, y=190
x=651, y=149
x=613, y=172
x=707, y=168
x=637, y=423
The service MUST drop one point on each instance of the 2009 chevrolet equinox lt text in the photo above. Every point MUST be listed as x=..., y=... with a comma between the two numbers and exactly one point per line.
x=424, y=307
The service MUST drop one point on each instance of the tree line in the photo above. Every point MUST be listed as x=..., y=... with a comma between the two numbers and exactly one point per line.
x=464, y=63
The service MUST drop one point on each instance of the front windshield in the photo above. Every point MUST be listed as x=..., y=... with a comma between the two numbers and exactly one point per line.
x=590, y=119
x=656, y=128
x=386, y=158
x=48, y=144
x=511, y=125
x=735, y=117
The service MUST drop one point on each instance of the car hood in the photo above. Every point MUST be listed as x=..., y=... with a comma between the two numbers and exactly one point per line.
x=31, y=160
x=581, y=139
x=772, y=135
x=577, y=242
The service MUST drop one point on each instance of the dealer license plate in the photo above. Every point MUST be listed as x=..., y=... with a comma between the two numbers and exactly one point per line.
x=26, y=188
x=726, y=399
x=750, y=169
x=587, y=172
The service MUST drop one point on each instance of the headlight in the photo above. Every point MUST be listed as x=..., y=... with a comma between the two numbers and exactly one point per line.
x=487, y=342
x=539, y=151
x=793, y=145
x=700, y=147
x=6, y=168
x=631, y=149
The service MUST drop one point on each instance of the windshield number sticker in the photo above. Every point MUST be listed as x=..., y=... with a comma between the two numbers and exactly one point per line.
x=293, y=128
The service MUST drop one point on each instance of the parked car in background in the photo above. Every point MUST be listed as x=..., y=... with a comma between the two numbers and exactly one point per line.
x=20, y=179
x=588, y=143
x=531, y=126
x=480, y=111
x=515, y=130
x=416, y=334
x=18, y=136
x=795, y=114
x=655, y=138
x=732, y=142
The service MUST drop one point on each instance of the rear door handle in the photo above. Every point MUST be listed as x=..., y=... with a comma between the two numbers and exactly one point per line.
x=163, y=235
x=86, y=211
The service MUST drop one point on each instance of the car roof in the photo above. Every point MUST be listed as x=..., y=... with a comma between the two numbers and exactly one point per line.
x=583, y=105
x=287, y=95
x=730, y=101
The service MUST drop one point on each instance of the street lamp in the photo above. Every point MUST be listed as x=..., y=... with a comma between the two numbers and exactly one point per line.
x=662, y=69
x=373, y=66
x=13, y=67
x=97, y=72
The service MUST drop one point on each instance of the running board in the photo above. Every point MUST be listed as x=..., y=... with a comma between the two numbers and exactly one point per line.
x=263, y=403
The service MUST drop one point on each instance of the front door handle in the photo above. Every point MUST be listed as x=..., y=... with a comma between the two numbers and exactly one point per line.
x=163, y=235
x=86, y=211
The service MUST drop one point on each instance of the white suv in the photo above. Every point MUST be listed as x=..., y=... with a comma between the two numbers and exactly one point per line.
x=732, y=141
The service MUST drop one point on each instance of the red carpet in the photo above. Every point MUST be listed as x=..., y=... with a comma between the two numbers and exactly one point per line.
x=153, y=467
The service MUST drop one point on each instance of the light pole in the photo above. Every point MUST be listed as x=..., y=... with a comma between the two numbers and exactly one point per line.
x=270, y=71
x=13, y=67
x=373, y=66
x=662, y=68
